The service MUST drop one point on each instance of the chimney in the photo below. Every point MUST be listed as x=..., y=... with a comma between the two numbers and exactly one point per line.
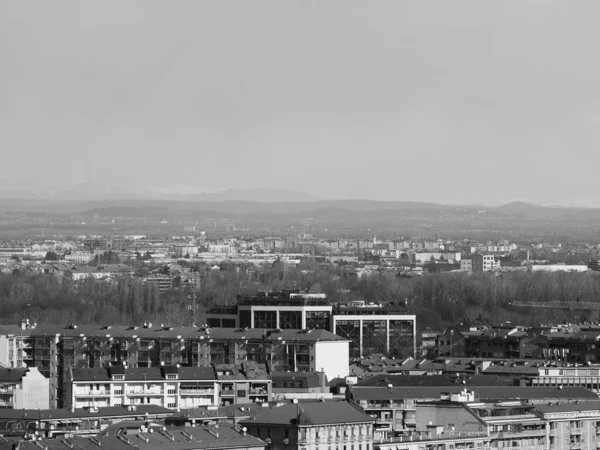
x=323, y=381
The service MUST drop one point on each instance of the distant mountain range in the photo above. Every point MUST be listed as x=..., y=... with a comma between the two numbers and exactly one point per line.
x=102, y=192
x=88, y=196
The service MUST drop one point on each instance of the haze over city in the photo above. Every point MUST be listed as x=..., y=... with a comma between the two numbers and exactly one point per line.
x=450, y=102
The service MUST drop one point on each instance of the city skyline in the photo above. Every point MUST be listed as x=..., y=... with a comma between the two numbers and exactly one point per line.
x=439, y=102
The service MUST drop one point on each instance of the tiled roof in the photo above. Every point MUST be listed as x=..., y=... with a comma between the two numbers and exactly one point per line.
x=569, y=407
x=144, y=373
x=188, y=438
x=321, y=413
x=310, y=379
x=435, y=380
x=481, y=392
x=157, y=332
x=80, y=413
x=11, y=375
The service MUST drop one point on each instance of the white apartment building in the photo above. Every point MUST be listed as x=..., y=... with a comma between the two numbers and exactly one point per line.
x=167, y=386
x=79, y=257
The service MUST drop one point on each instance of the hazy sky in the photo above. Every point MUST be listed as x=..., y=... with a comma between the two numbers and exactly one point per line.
x=401, y=100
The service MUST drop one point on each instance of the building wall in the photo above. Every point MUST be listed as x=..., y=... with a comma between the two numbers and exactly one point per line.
x=165, y=393
x=33, y=392
x=332, y=358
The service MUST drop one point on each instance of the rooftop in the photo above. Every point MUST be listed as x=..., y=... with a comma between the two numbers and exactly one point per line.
x=318, y=413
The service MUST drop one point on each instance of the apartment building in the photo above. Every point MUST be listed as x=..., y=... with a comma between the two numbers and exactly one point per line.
x=315, y=426
x=394, y=409
x=167, y=386
x=23, y=389
x=79, y=257
x=54, y=349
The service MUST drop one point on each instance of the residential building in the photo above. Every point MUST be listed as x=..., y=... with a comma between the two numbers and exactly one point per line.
x=24, y=389
x=316, y=426
x=79, y=257
x=571, y=425
x=55, y=349
x=394, y=408
x=167, y=386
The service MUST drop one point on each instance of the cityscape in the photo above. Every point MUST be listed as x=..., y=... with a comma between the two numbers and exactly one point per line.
x=267, y=225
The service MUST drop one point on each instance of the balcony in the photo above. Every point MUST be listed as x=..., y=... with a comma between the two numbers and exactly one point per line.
x=197, y=392
x=259, y=392
x=144, y=392
x=94, y=393
x=444, y=436
x=522, y=433
x=396, y=406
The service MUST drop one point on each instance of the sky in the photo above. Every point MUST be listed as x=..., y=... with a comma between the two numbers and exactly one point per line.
x=453, y=102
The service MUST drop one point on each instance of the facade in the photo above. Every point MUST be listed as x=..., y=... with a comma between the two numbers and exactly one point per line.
x=79, y=257
x=54, y=349
x=563, y=375
x=394, y=409
x=283, y=310
x=466, y=265
x=167, y=386
x=370, y=329
x=376, y=331
x=312, y=426
x=24, y=389
x=571, y=426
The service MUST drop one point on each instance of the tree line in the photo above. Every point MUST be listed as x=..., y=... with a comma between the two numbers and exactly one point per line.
x=438, y=299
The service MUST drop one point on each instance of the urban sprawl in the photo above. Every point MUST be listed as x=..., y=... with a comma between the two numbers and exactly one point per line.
x=298, y=343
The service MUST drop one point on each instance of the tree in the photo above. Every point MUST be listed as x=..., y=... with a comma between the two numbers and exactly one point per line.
x=51, y=256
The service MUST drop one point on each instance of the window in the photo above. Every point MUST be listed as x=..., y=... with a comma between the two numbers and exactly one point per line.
x=119, y=392
x=171, y=391
x=118, y=377
x=171, y=377
x=171, y=405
